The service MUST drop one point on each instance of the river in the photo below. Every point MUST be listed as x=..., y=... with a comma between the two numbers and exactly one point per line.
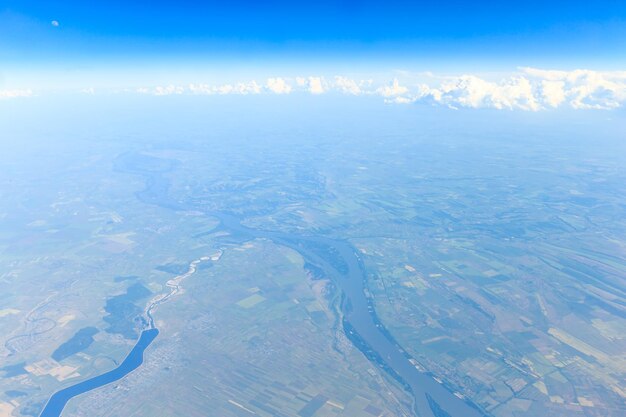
x=343, y=264
x=57, y=402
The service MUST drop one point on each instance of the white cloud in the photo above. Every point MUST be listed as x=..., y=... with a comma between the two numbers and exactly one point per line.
x=168, y=90
x=250, y=87
x=393, y=90
x=278, y=86
x=5, y=94
x=313, y=85
x=201, y=89
x=531, y=89
x=474, y=92
x=528, y=89
x=55, y=23
x=316, y=85
x=552, y=92
x=581, y=89
x=400, y=100
x=346, y=85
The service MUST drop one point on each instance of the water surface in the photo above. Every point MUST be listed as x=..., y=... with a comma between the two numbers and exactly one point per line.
x=56, y=403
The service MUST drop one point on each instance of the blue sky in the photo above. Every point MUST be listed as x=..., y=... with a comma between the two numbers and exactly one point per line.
x=509, y=32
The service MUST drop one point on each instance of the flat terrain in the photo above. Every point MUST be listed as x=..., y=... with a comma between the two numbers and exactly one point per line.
x=498, y=265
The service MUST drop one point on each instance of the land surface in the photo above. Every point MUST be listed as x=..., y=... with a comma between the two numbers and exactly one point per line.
x=496, y=265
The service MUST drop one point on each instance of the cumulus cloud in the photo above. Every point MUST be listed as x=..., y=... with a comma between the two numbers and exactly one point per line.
x=278, y=86
x=313, y=85
x=581, y=89
x=238, y=88
x=55, y=23
x=474, y=92
x=392, y=90
x=552, y=92
x=168, y=90
x=346, y=85
x=316, y=85
x=528, y=89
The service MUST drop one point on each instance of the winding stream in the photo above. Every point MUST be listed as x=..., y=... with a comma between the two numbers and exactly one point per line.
x=174, y=287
